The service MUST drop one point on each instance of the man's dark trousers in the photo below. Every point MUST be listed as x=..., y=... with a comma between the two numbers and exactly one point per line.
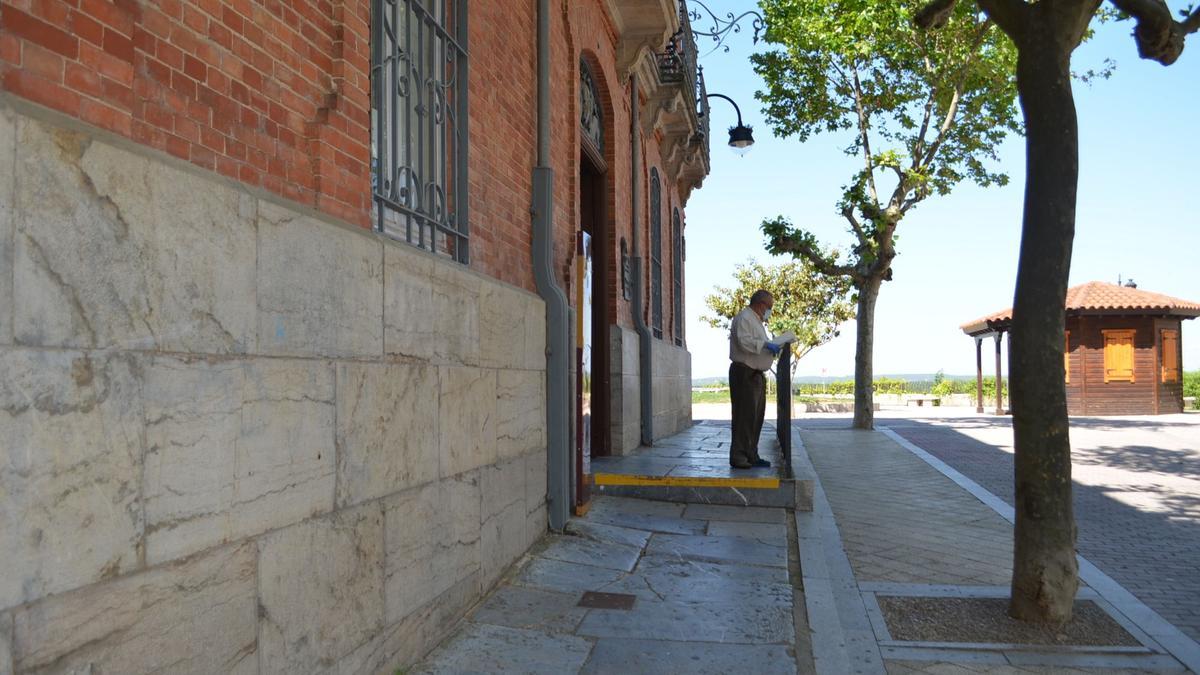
x=748, y=396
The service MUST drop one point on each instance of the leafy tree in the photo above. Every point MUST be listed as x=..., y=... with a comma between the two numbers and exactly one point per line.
x=925, y=111
x=810, y=305
x=1045, y=33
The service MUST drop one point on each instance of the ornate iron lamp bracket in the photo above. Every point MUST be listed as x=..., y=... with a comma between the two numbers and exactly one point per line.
x=722, y=27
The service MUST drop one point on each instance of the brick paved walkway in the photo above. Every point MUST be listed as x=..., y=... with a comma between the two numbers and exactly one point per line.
x=1137, y=496
x=903, y=521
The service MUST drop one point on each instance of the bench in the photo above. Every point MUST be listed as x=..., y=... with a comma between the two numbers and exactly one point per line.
x=920, y=400
x=1189, y=402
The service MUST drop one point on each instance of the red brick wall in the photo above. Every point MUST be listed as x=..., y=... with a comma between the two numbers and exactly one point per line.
x=276, y=94
x=503, y=133
x=273, y=94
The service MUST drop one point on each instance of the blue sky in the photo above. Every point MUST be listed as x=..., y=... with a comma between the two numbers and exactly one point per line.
x=1139, y=154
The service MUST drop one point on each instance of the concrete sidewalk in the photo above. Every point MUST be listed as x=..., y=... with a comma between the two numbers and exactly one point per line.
x=641, y=586
x=890, y=520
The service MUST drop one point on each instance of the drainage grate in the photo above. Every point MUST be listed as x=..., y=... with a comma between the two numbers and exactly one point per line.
x=598, y=600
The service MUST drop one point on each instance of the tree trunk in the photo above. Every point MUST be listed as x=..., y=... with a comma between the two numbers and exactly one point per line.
x=864, y=377
x=1045, y=571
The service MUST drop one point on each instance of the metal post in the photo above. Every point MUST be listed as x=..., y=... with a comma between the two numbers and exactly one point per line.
x=783, y=399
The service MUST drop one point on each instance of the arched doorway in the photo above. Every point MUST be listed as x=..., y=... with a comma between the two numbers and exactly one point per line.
x=593, y=297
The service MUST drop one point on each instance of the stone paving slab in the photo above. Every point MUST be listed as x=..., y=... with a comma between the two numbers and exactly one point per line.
x=533, y=609
x=566, y=576
x=608, y=533
x=695, y=658
x=647, y=522
x=720, y=549
x=690, y=581
x=595, y=553
x=641, y=507
x=719, y=623
x=484, y=648
x=759, y=531
x=750, y=514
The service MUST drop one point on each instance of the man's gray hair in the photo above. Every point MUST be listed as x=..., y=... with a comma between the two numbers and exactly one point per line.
x=760, y=297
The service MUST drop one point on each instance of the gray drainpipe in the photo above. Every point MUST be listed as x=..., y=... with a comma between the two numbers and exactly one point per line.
x=558, y=448
x=644, y=371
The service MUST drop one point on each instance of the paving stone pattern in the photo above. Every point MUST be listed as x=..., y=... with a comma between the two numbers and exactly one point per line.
x=903, y=521
x=1137, y=496
x=705, y=602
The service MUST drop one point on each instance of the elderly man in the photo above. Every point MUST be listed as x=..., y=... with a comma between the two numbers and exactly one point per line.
x=751, y=355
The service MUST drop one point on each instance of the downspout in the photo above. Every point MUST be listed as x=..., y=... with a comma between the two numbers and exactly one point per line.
x=558, y=446
x=645, y=371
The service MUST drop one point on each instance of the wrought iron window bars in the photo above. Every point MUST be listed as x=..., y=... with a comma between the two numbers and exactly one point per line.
x=419, y=123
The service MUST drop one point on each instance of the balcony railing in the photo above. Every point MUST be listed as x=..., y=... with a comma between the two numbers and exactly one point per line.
x=678, y=64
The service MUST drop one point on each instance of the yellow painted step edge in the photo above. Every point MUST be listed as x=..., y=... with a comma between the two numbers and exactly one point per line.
x=766, y=483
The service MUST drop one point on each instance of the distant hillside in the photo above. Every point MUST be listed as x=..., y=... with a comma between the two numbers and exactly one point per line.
x=817, y=379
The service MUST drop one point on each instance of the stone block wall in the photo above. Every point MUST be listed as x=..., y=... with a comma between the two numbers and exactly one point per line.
x=671, y=388
x=238, y=437
x=626, y=422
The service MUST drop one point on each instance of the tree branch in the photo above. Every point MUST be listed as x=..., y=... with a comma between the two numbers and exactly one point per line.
x=935, y=14
x=1159, y=37
x=1010, y=15
x=866, y=138
x=848, y=214
x=959, y=83
x=809, y=252
x=919, y=146
x=947, y=122
x=1192, y=23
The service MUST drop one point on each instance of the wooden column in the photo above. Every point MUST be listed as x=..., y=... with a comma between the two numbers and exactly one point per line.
x=1083, y=367
x=978, y=374
x=999, y=381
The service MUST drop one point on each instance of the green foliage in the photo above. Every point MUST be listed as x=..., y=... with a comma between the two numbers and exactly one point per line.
x=808, y=304
x=721, y=396
x=884, y=385
x=954, y=87
x=925, y=110
x=1191, y=386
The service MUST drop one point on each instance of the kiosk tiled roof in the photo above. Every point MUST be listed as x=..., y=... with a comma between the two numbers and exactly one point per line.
x=1098, y=296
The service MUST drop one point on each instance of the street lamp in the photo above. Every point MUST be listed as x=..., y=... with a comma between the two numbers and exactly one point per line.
x=741, y=137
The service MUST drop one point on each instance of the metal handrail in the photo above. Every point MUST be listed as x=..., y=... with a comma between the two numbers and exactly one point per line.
x=783, y=401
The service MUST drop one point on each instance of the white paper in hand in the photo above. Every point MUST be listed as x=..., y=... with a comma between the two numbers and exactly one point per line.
x=783, y=338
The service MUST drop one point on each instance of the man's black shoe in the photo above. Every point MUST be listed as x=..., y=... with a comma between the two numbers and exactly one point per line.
x=760, y=462
x=740, y=463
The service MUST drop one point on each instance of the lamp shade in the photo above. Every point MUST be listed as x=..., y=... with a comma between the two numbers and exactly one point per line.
x=741, y=138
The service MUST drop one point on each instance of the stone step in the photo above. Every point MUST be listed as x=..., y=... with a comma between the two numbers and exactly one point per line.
x=770, y=491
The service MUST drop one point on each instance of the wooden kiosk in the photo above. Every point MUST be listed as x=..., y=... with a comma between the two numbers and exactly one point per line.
x=1123, y=350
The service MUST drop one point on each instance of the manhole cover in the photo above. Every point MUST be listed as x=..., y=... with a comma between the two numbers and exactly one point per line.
x=598, y=600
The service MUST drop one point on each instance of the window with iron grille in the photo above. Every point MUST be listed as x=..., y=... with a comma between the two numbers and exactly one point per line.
x=656, y=290
x=677, y=274
x=419, y=123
